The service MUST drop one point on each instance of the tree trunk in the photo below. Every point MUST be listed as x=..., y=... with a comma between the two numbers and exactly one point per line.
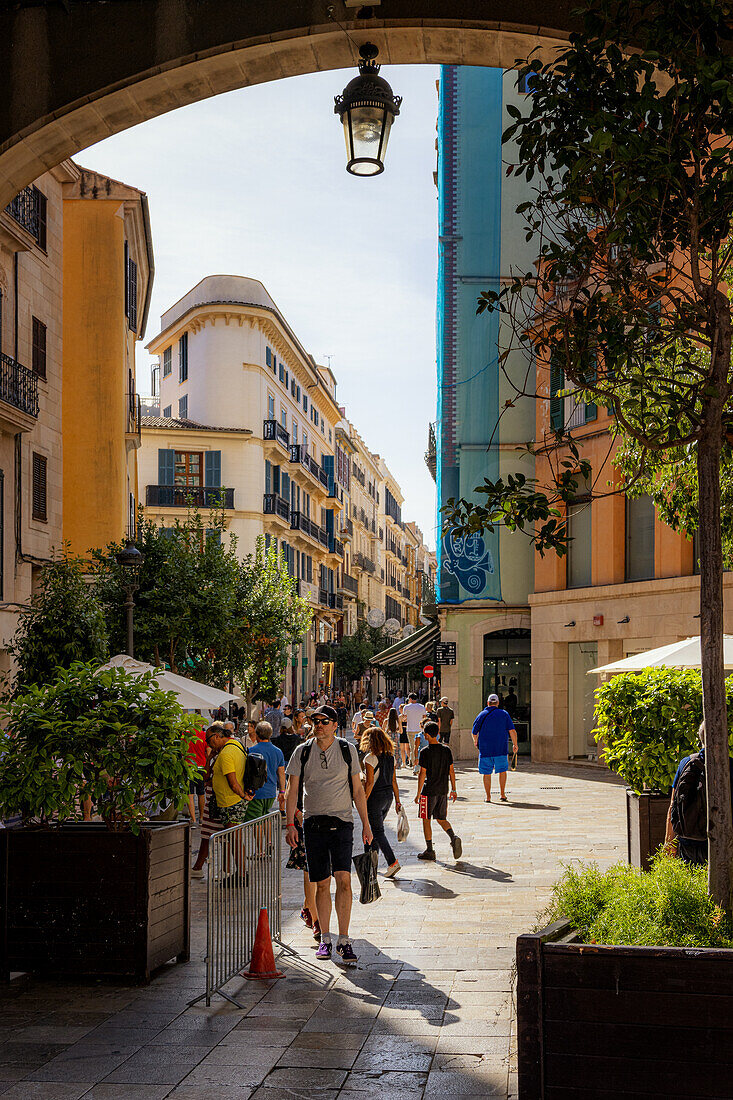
x=720, y=819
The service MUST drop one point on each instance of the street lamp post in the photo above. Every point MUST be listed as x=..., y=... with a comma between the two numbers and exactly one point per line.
x=130, y=561
x=367, y=108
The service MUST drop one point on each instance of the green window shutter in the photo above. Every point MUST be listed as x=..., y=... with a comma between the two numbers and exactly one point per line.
x=212, y=469
x=166, y=467
x=591, y=409
x=557, y=404
x=285, y=486
x=268, y=477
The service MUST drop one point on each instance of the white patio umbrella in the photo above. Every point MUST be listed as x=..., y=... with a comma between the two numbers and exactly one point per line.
x=191, y=695
x=682, y=654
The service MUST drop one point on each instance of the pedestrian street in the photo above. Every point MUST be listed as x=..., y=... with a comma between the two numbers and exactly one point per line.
x=426, y=1013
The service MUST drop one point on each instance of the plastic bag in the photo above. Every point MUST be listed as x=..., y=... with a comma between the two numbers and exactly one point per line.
x=403, y=824
x=366, y=869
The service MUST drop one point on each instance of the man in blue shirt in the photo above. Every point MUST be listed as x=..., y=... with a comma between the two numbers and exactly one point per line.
x=275, y=783
x=490, y=731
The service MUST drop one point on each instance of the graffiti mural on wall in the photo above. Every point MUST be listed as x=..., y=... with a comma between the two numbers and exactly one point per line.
x=468, y=559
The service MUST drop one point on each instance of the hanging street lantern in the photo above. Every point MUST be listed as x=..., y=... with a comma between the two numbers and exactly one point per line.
x=367, y=108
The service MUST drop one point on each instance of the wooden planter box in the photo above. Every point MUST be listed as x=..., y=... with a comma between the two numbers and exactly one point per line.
x=79, y=900
x=646, y=822
x=622, y=1023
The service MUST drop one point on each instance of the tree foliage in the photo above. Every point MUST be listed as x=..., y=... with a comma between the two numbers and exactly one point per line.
x=627, y=137
x=355, y=651
x=113, y=737
x=62, y=624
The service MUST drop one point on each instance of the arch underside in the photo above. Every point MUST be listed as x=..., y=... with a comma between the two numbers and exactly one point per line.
x=75, y=78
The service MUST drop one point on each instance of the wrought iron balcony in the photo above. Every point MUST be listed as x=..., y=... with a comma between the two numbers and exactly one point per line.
x=24, y=210
x=299, y=454
x=271, y=430
x=364, y=563
x=335, y=546
x=275, y=505
x=18, y=386
x=188, y=496
x=301, y=522
x=349, y=584
x=330, y=599
x=134, y=415
x=347, y=528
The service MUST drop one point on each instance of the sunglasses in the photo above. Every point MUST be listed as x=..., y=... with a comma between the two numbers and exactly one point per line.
x=322, y=721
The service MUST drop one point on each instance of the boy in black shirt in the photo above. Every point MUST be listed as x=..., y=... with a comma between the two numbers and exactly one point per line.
x=436, y=770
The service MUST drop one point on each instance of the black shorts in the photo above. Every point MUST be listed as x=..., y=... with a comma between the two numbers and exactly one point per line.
x=329, y=843
x=445, y=738
x=197, y=786
x=435, y=806
x=404, y=739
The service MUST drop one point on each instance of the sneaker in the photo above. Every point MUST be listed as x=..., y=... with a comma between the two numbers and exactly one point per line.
x=306, y=917
x=346, y=953
x=324, y=951
x=457, y=847
x=316, y=931
x=197, y=872
x=429, y=853
x=392, y=869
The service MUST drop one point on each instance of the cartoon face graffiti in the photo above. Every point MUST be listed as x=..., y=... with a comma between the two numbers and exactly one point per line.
x=467, y=558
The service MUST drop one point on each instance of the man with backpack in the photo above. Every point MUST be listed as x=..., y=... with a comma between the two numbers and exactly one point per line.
x=687, y=816
x=327, y=769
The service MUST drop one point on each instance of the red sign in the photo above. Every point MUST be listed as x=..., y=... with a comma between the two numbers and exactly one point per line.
x=598, y=620
x=428, y=671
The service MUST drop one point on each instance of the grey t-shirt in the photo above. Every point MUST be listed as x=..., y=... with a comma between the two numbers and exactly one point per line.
x=326, y=787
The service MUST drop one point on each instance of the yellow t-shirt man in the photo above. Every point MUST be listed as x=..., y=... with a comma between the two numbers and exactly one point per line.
x=231, y=759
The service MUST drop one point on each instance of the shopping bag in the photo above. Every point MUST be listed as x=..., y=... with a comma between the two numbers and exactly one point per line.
x=403, y=824
x=366, y=869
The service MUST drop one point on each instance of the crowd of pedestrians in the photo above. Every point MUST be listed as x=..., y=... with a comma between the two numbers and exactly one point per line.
x=317, y=772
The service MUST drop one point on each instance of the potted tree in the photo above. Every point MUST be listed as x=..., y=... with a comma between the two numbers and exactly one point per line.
x=78, y=897
x=646, y=722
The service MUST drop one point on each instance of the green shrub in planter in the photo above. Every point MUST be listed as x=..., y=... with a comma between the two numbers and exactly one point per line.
x=117, y=738
x=647, y=721
x=668, y=906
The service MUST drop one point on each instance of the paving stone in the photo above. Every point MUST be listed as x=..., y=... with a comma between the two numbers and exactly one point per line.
x=162, y=1072
x=91, y=1069
x=108, y=1091
x=385, y=1085
x=46, y=1090
x=318, y=1058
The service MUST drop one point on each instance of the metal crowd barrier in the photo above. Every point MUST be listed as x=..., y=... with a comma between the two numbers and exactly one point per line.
x=245, y=875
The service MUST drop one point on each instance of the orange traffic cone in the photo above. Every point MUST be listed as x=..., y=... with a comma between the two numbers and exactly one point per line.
x=262, y=964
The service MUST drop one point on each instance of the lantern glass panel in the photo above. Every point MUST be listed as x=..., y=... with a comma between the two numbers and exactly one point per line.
x=364, y=128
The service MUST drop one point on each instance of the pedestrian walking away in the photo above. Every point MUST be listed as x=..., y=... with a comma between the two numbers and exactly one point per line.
x=288, y=739
x=327, y=769
x=435, y=776
x=687, y=815
x=274, y=716
x=413, y=714
x=491, y=730
x=445, y=717
x=380, y=788
x=274, y=785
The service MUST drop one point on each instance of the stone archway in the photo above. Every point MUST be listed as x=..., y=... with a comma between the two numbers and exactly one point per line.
x=78, y=71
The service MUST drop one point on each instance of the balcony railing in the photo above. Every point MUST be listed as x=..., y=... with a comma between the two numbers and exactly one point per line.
x=301, y=522
x=299, y=453
x=364, y=563
x=188, y=496
x=330, y=599
x=347, y=528
x=274, y=431
x=18, y=386
x=24, y=210
x=349, y=584
x=275, y=505
x=335, y=546
x=134, y=414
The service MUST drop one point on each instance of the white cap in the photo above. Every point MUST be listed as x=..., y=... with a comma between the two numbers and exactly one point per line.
x=444, y=699
x=493, y=699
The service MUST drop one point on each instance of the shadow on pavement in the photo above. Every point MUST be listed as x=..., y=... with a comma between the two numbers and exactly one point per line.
x=425, y=887
x=460, y=867
x=527, y=805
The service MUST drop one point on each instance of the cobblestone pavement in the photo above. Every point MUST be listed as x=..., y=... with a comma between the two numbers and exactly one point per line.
x=427, y=1012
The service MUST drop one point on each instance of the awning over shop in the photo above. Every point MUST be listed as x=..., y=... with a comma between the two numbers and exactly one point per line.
x=413, y=650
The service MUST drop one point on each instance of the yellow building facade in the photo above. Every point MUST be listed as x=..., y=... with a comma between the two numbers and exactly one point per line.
x=108, y=272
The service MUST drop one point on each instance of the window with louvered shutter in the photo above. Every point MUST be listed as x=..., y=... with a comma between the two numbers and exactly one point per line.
x=557, y=404
x=39, y=487
x=41, y=218
x=38, y=357
x=132, y=294
x=183, y=358
x=167, y=356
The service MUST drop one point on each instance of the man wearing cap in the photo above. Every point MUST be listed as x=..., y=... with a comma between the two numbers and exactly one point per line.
x=329, y=769
x=490, y=731
x=445, y=717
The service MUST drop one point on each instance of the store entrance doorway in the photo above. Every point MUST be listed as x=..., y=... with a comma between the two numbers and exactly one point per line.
x=507, y=672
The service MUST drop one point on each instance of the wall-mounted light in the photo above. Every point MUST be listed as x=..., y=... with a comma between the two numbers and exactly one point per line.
x=571, y=623
x=625, y=619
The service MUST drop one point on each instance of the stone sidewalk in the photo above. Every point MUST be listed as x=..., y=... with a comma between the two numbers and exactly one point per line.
x=427, y=1013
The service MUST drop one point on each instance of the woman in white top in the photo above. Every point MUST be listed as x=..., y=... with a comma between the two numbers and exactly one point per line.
x=380, y=788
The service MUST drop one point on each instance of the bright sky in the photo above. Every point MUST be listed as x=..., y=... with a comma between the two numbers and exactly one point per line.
x=254, y=183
